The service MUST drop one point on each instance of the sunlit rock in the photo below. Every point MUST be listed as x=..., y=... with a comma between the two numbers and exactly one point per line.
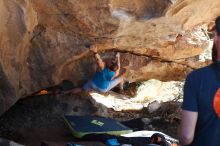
x=42, y=41
x=149, y=94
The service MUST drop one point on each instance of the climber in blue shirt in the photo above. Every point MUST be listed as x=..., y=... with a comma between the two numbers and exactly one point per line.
x=107, y=76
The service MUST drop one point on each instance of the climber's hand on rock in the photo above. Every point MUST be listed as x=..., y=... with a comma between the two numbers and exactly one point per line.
x=118, y=55
x=93, y=49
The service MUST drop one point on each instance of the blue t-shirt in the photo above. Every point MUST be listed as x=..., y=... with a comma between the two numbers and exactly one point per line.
x=101, y=79
x=200, y=92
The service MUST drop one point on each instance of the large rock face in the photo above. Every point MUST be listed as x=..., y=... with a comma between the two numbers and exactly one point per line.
x=42, y=41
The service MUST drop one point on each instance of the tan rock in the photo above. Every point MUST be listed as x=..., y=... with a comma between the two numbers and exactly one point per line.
x=42, y=41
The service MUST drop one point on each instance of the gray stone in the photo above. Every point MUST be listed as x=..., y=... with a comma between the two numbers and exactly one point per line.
x=156, y=118
x=146, y=121
x=152, y=107
x=5, y=142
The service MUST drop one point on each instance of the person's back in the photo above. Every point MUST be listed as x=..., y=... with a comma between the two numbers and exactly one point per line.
x=202, y=93
x=103, y=78
x=200, y=124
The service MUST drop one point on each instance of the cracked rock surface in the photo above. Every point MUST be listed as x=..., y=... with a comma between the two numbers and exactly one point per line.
x=42, y=41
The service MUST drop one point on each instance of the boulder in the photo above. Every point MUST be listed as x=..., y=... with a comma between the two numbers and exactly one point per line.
x=42, y=42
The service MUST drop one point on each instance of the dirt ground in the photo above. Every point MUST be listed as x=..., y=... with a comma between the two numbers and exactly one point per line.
x=39, y=119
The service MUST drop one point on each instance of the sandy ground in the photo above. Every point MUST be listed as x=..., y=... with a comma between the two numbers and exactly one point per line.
x=39, y=119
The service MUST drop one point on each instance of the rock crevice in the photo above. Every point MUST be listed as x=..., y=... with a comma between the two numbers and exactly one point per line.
x=42, y=42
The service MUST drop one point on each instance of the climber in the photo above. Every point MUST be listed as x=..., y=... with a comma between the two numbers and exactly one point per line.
x=107, y=77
